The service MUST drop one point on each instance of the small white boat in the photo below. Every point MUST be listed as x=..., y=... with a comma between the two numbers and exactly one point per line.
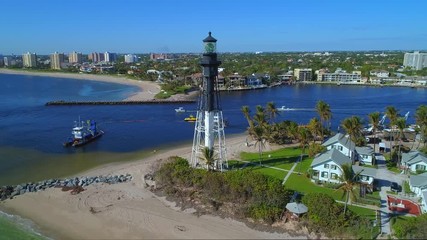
x=179, y=110
x=283, y=108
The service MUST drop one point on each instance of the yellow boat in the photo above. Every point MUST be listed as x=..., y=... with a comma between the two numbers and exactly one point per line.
x=191, y=118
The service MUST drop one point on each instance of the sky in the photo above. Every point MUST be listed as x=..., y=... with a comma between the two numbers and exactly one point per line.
x=179, y=26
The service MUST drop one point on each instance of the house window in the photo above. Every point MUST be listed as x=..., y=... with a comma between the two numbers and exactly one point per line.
x=334, y=167
x=334, y=176
x=326, y=166
x=420, y=167
x=339, y=147
x=325, y=174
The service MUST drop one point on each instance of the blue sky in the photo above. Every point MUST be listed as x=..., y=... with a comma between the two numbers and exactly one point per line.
x=143, y=26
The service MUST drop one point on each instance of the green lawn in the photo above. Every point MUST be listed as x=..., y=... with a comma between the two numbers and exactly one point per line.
x=9, y=230
x=283, y=158
x=303, y=184
x=369, y=213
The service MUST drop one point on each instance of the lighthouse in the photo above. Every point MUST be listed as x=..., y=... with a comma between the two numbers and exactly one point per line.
x=209, y=126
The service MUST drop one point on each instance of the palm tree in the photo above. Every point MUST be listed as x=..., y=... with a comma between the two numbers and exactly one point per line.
x=272, y=111
x=246, y=112
x=401, y=124
x=258, y=136
x=421, y=120
x=324, y=111
x=209, y=157
x=304, y=138
x=352, y=125
x=315, y=128
x=392, y=115
x=349, y=181
x=374, y=119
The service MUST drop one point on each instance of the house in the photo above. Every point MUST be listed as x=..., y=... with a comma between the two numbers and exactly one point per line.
x=254, y=80
x=342, y=144
x=237, y=80
x=414, y=161
x=418, y=185
x=379, y=73
x=365, y=155
x=327, y=166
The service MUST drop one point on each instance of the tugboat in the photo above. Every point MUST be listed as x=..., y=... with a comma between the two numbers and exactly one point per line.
x=83, y=133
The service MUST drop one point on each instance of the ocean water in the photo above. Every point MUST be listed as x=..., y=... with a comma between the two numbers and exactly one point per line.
x=31, y=134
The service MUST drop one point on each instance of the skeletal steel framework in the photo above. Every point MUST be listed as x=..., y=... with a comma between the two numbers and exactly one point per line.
x=209, y=126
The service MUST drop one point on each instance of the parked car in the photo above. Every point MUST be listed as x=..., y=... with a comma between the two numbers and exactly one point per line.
x=395, y=187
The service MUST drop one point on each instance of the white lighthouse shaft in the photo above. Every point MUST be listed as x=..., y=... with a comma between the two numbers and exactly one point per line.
x=209, y=130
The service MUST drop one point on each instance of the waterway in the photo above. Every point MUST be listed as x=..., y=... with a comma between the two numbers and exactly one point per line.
x=31, y=134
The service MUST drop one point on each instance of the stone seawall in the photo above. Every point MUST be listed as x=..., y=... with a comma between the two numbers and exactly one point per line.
x=77, y=184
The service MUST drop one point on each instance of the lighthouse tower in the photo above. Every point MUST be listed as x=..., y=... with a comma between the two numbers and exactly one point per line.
x=209, y=126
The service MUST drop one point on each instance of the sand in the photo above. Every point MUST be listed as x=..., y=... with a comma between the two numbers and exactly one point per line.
x=129, y=210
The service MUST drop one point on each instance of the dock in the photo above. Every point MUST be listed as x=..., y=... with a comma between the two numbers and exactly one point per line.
x=154, y=101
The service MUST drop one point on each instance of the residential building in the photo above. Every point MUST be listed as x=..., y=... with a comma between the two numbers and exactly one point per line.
x=414, y=161
x=1, y=61
x=237, y=80
x=56, y=59
x=131, y=58
x=379, y=73
x=418, y=185
x=365, y=155
x=303, y=74
x=415, y=60
x=96, y=57
x=327, y=168
x=159, y=56
x=110, y=57
x=29, y=60
x=340, y=76
x=320, y=73
x=75, y=57
x=8, y=61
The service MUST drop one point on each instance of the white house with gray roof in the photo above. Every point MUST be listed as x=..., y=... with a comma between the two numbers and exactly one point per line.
x=413, y=161
x=418, y=185
x=327, y=168
x=364, y=155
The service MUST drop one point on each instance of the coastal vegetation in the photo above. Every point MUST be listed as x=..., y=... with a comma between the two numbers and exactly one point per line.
x=410, y=227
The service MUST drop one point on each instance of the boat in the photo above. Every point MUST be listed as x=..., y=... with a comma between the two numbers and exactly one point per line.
x=190, y=118
x=83, y=133
x=283, y=108
x=179, y=110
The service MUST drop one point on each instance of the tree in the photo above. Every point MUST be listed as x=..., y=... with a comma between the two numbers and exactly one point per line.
x=258, y=136
x=315, y=127
x=209, y=157
x=421, y=120
x=304, y=138
x=324, y=111
x=246, y=112
x=374, y=119
x=392, y=115
x=401, y=125
x=349, y=181
x=352, y=125
x=272, y=111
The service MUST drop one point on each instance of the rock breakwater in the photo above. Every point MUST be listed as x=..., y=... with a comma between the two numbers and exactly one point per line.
x=74, y=184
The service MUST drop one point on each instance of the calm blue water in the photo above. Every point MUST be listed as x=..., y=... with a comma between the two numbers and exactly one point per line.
x=31, y=134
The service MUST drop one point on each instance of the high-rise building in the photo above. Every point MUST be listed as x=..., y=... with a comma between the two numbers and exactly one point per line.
x=56, y=59
x=415, y=60
x=130, y=58
x=96, y=57
x=8, y=61
x=303, y=74
x=75, y=57
x=110, y=57
x=29, y=60
x=1, y=61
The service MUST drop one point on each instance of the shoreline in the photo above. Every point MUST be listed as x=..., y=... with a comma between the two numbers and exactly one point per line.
x=130, y=210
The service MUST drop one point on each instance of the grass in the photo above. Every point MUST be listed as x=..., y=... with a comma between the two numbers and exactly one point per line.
x=365, y=212
x=303, y=184
x=9, y=230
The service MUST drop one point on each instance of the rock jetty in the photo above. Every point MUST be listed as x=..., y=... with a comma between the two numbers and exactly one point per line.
x=7, y=192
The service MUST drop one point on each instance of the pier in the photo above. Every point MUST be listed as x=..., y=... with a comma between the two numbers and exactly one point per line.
x=154, y=101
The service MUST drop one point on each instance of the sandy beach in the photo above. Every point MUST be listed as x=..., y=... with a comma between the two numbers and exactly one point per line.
x=147, y=89
x=129, y=210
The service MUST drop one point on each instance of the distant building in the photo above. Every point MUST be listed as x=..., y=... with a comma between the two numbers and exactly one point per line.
x=96, y=57
x=75, y=57
x=29, y=60
x=159, y=56
x=340, y=76
x=131, y=58
x=8, y=61
x=415, y=60
x=320, y=73
x=56, y=59
x=110, y=57
x=1, y=61
x=303, y=74
x=379, y=73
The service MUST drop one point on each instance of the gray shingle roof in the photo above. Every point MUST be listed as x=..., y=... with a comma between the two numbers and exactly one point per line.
x=419, y=180
x=364, y=171
x=334, y=155
x=365, y=150
x=413, y=157
x=340, y=138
